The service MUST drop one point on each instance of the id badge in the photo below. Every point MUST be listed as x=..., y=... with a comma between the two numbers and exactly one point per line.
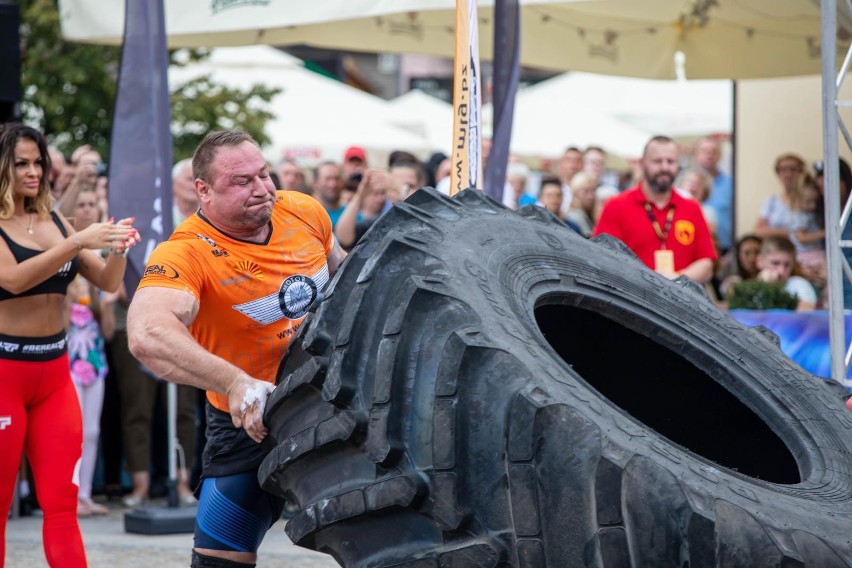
x=664, y=261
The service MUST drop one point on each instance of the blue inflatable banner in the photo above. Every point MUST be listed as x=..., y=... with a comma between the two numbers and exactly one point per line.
x=804, y=335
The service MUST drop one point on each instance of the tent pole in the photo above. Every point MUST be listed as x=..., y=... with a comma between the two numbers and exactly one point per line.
x=831, y=175
x=734, y=162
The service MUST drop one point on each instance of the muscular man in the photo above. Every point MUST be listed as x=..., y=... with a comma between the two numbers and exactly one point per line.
x=217, y=307
x=665, y=230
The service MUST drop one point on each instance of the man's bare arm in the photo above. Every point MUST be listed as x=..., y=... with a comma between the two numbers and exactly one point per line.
x=335, y=257
x=700, y=271
x=158, y=335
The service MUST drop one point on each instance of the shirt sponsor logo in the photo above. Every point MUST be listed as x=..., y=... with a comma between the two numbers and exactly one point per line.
x=206, y=239
x=247, y=270
x=161, y=270
x=297, y=293
x=235, y=280
x=294, y=297
x=290, y=331
x=250, y=269
x=217, y=251
x=684, y=232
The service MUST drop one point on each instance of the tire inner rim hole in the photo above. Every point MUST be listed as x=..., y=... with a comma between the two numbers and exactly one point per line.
x=666, y=392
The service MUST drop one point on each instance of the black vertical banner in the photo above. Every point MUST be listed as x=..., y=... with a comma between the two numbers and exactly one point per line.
x=506, y=74
x=140, y=159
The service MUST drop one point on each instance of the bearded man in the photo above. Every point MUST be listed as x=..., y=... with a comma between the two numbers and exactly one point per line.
x=664, y=229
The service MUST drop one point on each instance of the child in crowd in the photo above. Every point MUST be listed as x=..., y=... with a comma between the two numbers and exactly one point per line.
x=744, y=266
x=807, y=232
x=776, y=261
x=88, y=326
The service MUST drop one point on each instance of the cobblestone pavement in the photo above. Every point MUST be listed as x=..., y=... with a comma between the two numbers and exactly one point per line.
x=109, y=546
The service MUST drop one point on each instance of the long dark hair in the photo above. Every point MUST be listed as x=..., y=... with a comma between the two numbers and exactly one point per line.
x=10, y=134
x=740, y=243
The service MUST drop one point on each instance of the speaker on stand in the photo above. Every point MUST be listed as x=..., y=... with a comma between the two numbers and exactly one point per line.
x=10, y=61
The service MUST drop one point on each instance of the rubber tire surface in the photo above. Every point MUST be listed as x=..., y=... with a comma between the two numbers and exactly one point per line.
x=423, y=420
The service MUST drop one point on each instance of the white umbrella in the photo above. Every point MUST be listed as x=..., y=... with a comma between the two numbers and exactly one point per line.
x=316, y=117
x=720, y=38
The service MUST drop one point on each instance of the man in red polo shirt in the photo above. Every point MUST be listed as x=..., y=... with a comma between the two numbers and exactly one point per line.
x=666, y=230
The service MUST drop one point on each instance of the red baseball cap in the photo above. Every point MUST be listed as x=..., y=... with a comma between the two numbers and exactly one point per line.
x=355, y=153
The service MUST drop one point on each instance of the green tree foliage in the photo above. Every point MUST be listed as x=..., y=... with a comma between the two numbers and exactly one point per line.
x=69, y=90
x=201, y=105
x=68, y=87
x=758, y=295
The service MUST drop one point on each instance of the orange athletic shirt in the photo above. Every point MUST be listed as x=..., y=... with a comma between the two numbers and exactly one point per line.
x=238, y=284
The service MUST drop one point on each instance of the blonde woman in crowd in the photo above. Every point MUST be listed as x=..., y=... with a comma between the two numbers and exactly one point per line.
x=776, y=213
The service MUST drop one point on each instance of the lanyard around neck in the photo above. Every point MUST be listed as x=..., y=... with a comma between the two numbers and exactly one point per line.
x=663, y=233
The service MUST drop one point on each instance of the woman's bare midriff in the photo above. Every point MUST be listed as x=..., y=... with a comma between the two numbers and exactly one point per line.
x=41, y=315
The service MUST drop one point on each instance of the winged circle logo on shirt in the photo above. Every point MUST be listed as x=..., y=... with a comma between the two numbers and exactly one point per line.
x=292, y=300
x=296, y=295
x=250, y=269
x=684, y=232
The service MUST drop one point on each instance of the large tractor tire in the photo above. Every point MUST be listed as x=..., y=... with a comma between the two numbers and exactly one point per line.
x=484, y=388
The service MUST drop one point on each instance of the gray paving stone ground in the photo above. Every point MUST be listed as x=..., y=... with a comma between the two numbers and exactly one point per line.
x=109, y=546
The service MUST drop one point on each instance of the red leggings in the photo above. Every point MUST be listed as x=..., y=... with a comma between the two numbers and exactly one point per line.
x=40, y=414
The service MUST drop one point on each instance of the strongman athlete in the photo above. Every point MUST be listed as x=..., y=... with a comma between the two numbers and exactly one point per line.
x=216, y=308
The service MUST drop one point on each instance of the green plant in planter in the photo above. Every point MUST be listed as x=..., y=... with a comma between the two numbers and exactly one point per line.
x=759, y=295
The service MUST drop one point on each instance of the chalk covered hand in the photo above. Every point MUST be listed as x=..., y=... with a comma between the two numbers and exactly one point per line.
x=246, y=403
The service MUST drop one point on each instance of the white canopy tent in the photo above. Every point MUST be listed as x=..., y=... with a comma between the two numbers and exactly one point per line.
x=316, y=118
x=730, y=39
x=426, y=115
x=542, y=128
x=673, y=108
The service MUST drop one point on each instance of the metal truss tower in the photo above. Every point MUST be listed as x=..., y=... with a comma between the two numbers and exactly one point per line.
x=838, y=229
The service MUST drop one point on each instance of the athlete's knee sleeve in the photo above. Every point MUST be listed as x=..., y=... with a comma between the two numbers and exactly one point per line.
x=204, y=561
